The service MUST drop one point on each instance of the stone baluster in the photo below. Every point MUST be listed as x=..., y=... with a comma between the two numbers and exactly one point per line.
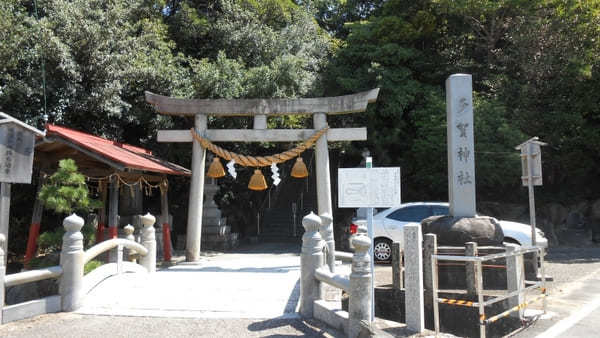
x=2, y=273
x=130, y=254
x=326, y=231
x=149, y=242
x=72, y=262
x=471, y=268
x=359, y=304
x=311, y=259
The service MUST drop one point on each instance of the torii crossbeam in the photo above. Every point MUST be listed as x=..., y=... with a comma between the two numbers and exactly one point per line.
x=260, y=109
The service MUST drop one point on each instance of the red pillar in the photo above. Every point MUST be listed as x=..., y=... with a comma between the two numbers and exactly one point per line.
x=101, y=213
x=34, y=233
x=36, y=219
x=166, y=242
x=164, y=202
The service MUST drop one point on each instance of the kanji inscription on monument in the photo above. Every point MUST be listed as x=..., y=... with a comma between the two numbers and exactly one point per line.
x=461, y=159
x=16, y=152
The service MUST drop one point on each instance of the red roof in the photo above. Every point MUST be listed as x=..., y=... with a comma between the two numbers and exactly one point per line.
x=126, y=154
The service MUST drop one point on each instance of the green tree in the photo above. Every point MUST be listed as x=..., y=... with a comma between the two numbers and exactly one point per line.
x=66, y=190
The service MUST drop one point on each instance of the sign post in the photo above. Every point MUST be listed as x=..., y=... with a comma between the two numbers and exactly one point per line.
x=531, y=164
x=369, y=165
x=371, y=188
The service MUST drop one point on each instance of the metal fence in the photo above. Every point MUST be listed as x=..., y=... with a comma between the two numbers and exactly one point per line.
x=517, y=288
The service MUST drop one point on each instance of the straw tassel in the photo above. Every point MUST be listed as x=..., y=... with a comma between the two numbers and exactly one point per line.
x=299, y=169
x=216, y=169
x=257, y=181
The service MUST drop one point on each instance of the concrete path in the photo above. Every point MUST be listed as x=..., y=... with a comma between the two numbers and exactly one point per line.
x=255, y=282
x=573, y=307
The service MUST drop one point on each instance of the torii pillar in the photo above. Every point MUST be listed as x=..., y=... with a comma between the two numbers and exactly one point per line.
x=260, y=109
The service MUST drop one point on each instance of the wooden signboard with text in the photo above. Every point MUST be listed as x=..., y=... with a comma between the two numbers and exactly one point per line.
x=16, y=152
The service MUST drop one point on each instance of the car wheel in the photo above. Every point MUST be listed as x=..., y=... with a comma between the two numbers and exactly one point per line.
x=382, y=251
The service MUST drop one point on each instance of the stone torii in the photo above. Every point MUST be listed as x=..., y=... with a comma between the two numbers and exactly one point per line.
x=260, y=109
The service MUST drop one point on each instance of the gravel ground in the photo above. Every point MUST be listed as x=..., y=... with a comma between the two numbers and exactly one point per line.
x=567, y=265
x=66, y=325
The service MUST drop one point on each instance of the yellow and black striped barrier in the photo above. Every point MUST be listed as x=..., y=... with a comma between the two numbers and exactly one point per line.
x=457, y=302
x=512, y=309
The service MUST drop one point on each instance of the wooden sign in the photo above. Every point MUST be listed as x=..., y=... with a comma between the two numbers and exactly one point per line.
x=531, y=153
x=16, y=152
x=368, y=187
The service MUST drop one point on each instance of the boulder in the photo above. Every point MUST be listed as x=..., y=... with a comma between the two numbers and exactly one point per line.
x=555, y=213
x=457, y=231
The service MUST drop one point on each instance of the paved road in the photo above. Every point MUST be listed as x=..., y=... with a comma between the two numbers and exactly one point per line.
x=574, y=302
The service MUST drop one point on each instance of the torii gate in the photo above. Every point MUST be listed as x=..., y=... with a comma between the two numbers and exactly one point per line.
x=260, y=109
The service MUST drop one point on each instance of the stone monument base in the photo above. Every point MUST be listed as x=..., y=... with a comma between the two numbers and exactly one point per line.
x=456, y=231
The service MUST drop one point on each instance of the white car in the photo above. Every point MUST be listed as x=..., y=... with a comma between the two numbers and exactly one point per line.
x=389, y=223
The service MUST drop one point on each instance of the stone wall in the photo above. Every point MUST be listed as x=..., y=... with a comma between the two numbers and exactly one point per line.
x=559, y=221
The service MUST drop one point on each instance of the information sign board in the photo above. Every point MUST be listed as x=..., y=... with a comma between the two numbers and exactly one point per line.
x=368, y=187
x=16, y=153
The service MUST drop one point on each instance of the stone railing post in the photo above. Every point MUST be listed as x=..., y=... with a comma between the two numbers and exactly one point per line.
x=129, y=229
x=429, y=249
x=2, y=273
x=515, y=279
x=149, y=242
x=471, y=269
x=397, y=280
x=359, y=304
x=326, y=231
x=311, y=259
x=72, y=262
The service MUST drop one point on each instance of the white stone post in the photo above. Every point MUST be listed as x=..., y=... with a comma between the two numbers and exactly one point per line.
x=194, y=228
x=149, y=242
x=413, y=281
x=129, y=229
x=2, y=274
x=326, y=232
x=515, y=280
x=359, y=303
x=72, y=263
x=461, y=150
x=311, y=259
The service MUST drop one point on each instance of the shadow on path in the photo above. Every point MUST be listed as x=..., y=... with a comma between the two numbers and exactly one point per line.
x=308, y=327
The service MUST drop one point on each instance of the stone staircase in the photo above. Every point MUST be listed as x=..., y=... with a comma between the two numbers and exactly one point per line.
x=278, y=221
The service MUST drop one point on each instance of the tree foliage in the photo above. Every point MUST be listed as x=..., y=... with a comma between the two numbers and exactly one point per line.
x=66, y=190
x=534, y=67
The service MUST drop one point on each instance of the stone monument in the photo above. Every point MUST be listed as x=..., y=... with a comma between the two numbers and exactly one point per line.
x=216, y=234
x=462, y=225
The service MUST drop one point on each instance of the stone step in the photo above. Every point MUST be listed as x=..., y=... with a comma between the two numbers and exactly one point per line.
x=220, y=230
x=214, y=221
